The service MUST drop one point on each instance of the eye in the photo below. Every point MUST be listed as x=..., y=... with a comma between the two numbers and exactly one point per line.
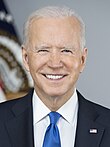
x=42, y=51
x=67, y=51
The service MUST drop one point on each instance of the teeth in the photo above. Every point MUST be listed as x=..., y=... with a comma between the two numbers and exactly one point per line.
x=54, y=77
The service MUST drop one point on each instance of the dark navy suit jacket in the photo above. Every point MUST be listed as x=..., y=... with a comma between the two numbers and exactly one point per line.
x=16, y=123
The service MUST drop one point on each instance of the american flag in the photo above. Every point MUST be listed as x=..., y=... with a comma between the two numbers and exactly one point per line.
x=15, y=81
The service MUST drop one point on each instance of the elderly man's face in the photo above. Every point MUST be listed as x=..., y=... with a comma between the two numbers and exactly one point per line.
x=54, y=57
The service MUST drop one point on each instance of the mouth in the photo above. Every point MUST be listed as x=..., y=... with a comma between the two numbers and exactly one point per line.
x=54, y=76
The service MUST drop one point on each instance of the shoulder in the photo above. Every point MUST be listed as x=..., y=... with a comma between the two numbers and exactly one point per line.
x=94, y=110
x=92, y=105
x=5, y=110
x=6, y=107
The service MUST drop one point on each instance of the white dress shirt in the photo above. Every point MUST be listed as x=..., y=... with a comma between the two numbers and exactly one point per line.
x=66, y=124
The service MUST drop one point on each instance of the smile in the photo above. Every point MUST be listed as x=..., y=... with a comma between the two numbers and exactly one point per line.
x=54, y=77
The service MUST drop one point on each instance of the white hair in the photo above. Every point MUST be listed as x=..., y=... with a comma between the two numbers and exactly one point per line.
x=54, y=12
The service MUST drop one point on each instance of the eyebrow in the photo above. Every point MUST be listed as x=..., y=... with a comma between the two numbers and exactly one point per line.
x=44, y=45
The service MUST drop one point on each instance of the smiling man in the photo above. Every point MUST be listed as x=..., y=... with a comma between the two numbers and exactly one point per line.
x=54, y=113
x=54, y=56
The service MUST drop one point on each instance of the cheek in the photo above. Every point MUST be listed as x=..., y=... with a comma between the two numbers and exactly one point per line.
x=36, y=63
x=76, y=66
x=73, y=63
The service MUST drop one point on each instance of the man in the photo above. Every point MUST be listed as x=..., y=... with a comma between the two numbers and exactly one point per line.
x=54, y=53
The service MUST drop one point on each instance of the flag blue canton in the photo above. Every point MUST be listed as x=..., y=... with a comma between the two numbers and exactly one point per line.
x=6, y=20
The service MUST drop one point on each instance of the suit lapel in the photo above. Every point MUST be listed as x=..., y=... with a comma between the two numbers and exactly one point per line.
x=89, y=132
x=20, y=127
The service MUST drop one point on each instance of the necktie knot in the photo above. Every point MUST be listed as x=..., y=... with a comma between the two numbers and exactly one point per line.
x=54, y=117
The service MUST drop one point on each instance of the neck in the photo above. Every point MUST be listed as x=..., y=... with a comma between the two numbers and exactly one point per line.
x=54, y=102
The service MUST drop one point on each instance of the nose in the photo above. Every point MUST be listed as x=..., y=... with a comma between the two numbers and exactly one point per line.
x=55, y=60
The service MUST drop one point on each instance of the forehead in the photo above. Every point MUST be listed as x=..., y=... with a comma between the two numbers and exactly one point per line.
x=64, y=22
x=55, y=29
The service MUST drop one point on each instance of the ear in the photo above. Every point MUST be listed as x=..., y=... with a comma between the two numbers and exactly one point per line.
x=25, y=58
x=83, y=59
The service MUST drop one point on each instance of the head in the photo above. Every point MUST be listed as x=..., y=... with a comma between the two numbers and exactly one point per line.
x=54, y=51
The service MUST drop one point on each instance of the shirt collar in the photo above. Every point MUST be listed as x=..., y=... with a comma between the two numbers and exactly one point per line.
x=68, y=110
x=40, y=110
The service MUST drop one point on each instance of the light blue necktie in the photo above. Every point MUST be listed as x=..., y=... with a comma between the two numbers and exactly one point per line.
x=52, y=137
